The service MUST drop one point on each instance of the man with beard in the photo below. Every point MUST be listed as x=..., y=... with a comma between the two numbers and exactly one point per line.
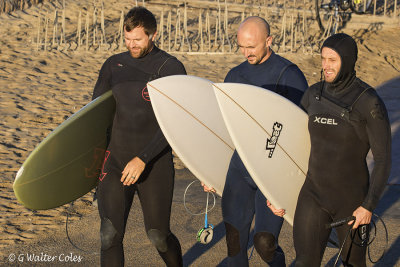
x=346, y=119
x=242, y=200
x=138, y=157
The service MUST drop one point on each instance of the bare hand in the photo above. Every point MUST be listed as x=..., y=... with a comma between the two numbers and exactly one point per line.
x=132, y=171
x=277, y=212
x=363, y=216
x=207, y=189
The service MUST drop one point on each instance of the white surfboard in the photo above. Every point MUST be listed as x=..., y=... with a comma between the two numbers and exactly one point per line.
x=189, y=116
x=271, y=136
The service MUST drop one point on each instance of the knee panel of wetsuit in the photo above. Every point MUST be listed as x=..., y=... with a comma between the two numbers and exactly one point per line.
x=158, y=239
x=265, y=245
x=107, y=234
x=232, y=240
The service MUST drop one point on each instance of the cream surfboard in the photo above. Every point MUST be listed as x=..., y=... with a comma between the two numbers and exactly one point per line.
x=271, y=136
x=189, y=116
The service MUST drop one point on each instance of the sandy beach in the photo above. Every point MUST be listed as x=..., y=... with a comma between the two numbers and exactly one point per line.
x=40, y=89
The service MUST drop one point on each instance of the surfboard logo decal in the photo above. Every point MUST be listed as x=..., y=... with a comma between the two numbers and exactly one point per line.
x=96, y=165
x=103, y=174
x=271, y=142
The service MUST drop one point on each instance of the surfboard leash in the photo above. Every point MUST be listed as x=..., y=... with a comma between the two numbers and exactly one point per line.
x=200, y=213
x=344, y=241
x=366, y=241
x=69, y=209
x=206, y=233
x=386, y=236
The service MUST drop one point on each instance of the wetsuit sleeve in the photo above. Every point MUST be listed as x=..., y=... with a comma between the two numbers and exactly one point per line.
x=379, y=136
x=103, y=83
x=293, y=83
x=228, y=77
x=159, y=143
x=155, y=147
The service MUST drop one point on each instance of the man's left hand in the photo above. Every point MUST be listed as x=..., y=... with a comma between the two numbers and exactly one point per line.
x=363, y=216
x=132, y=171
x=277, y=212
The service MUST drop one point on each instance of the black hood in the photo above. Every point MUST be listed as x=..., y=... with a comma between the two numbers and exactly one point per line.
x=346, y=47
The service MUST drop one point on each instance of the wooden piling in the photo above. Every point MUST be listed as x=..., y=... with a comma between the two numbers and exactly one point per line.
x=200, y=32
x=87, y=30
x=121, y=31
x=162, y=29
x=169, y=30
x=79, y=29
x=46, y=30
x=38, y=34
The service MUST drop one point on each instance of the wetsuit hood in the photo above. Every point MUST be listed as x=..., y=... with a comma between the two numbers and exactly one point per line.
x=346, y=47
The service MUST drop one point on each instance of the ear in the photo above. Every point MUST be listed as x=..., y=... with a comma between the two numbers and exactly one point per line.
x=153, y=37
x=269, y=41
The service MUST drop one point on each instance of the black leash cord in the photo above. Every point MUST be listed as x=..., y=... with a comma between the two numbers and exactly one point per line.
x=344, y=242
x=347, y=219
x=69, y=239
x=339, y=222
x=387, y=240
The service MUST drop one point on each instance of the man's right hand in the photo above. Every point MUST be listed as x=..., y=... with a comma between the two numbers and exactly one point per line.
x=207, y=189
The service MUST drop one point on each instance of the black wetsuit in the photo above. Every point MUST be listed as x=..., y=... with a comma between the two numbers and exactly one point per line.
x=242, y=199
x=346, y=120
x=135, y=132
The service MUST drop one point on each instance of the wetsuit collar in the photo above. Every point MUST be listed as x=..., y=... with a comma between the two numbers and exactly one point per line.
x=264, y=63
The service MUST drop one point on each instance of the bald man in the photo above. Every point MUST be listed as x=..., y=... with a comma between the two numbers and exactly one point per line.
x=241, y=199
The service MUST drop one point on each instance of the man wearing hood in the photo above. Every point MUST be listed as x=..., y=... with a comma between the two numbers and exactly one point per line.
x=346, y=119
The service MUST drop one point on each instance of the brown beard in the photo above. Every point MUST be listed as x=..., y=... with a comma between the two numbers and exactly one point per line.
x=142, y=52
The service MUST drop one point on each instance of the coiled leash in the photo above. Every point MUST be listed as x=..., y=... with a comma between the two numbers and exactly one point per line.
x=363, y=232
x=205, y=234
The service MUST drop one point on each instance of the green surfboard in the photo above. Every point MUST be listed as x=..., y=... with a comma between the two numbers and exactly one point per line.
x=67, y=163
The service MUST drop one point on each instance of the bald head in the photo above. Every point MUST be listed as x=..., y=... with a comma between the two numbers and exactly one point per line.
x=254, y=24
x=254, y=40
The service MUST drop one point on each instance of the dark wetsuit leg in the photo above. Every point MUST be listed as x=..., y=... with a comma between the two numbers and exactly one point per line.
x=114, y=203
x=155, y=194
x=309, y=232
x=238, y=211
x=155, y=189
x=241, y=199
x=352, y=254
x=268, y=224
